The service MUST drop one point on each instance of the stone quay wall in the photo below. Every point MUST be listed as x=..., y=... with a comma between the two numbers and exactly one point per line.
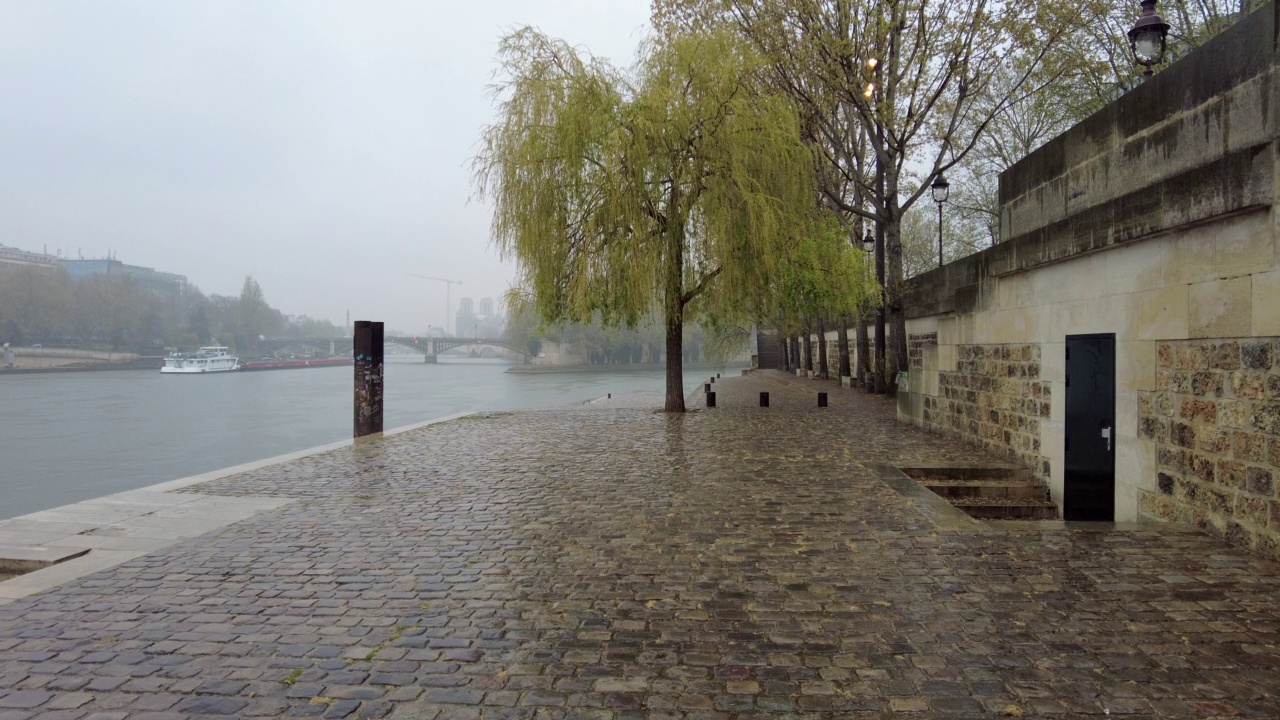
x=1153, y=221
x=1214, y=419
x=994, y=399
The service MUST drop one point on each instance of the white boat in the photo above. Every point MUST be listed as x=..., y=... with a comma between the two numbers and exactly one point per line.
x=204, y=360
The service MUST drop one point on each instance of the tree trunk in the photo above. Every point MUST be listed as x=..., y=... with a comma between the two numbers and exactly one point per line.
x=896, y=355
x=808, y=352
x=822, y=349
x=842, y=340
x=674, y=302
x=864, y=345
x=675, y=373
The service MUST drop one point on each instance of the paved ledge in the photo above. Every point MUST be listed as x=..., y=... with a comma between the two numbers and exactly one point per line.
x=86, y=537
x=89, y=536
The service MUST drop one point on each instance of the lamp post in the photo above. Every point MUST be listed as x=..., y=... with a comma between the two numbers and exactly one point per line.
x=1147, y=37
x=940, y=188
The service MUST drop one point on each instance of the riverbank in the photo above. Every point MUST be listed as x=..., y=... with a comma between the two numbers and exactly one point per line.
x=142, y=363
x=615, y=563
x=632, y=367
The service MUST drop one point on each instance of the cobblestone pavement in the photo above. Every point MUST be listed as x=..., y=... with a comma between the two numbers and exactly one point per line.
x=735, y=562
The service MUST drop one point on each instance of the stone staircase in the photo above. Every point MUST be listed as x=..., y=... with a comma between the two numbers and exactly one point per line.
x=1005, y=492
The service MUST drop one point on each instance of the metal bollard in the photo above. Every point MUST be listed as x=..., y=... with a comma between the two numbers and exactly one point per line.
x=717, y=374
x=713, y=379
x=764, y=399
x=706, y=387
x=822, y=399
x=711, y=399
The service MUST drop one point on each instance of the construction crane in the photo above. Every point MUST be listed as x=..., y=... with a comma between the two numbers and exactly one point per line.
x=448, y=307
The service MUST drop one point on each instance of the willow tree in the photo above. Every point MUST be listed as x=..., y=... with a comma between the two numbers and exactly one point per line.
x=823, y=277
x=914, y=77
x=677, y=183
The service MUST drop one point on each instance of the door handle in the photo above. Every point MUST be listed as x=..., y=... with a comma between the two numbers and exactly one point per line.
x=1106, y=433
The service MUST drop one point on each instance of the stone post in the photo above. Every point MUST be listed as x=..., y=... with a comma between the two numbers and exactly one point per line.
x=368, y=380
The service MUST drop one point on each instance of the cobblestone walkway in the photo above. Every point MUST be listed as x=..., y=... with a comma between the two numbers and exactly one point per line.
x=607, y=562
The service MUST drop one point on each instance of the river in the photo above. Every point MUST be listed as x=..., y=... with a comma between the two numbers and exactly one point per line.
x=68, y=437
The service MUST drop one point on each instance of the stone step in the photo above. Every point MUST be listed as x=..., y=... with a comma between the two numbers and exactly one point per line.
x=926, y=473
x=987, y=488
x=1007, y=509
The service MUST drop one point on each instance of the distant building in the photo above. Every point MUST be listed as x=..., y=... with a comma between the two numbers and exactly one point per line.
x=169, y=286
x=485, y=324
x=14, y=256
x=466, y=318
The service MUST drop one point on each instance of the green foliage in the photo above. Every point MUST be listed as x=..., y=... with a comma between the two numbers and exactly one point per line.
x=824, y=277
x=680, y=184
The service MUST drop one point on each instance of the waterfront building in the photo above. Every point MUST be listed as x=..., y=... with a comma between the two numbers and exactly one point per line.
x=17, y=256
x=168, y=286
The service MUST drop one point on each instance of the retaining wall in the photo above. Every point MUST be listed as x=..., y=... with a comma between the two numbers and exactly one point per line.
x=1155, y=221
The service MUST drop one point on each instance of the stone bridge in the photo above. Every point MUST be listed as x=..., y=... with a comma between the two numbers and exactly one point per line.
x=431, y=347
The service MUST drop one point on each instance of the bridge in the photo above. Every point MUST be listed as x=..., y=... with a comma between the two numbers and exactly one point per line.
x=431, y=347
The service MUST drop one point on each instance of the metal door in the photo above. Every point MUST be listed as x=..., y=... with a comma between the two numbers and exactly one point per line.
x=1089, y=480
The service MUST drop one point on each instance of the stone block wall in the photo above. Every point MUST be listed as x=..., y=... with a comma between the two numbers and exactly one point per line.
x=915, y=348
x=994, y=399
x=1214, y=418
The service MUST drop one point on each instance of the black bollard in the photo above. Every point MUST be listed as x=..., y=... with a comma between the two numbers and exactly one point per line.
x=713, y=379
x=711, y=399
x=717, y=374
x=706, y=387
x=367, y=347
x=610, y=396
x=764, y=399
x=822, y=399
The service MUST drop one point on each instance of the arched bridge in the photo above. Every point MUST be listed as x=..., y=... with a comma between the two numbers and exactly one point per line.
x=429, y=346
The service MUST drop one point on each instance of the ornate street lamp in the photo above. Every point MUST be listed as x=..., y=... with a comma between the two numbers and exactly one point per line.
x=940, y=188
x=1147, y=37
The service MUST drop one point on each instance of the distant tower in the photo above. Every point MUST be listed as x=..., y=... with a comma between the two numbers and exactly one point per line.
x=486, y=307
x=466, y=316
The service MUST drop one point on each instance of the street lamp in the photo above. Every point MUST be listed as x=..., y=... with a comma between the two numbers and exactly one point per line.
x=940, y=188
x=1147, y=37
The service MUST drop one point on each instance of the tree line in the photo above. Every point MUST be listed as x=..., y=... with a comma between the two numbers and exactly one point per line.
x=730, y=175
x=115, y=311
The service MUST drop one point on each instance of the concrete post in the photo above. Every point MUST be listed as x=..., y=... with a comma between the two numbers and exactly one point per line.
x=368, y=380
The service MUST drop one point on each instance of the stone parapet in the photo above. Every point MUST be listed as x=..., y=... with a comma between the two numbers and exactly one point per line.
x=1194, y=144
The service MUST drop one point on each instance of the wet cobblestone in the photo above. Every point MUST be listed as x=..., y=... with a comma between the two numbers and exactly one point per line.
x=613, y=562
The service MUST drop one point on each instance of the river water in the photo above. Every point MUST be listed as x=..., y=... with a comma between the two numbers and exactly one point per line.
x=68, y=437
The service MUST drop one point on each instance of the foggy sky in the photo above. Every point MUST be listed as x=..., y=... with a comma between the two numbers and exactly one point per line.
x=320, y=146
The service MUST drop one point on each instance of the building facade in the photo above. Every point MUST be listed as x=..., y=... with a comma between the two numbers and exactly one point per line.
x=16, y=256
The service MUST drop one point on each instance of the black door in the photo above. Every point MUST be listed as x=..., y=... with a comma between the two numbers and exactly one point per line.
x=1090, y=474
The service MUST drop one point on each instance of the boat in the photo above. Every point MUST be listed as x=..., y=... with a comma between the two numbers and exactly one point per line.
x=287, y=364
x=205, y=360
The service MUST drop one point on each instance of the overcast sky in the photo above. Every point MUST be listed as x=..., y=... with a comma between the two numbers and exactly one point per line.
x=320, y=146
